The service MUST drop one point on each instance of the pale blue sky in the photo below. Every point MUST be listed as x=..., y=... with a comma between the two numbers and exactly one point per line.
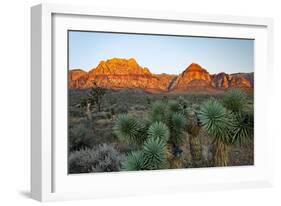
x=161, y=54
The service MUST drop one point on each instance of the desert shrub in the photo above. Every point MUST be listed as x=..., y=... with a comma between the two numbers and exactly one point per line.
x=234, y=100
x=182, y=102
x=76, y=112
x=122, y=108
x=102, y=158
x=158, y=112
x=112, y=111
x=174, y=106
x=80, y=137
x=108, y=115
x=100, y=115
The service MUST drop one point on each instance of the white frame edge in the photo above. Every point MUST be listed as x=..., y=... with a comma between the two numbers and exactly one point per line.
x=41, y=78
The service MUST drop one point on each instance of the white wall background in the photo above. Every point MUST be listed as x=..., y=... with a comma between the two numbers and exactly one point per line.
x=15, y=101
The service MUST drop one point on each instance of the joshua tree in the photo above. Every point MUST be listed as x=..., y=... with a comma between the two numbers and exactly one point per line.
x=227, y=126
x=165, y=126
x=217, y=122
x=95, y=95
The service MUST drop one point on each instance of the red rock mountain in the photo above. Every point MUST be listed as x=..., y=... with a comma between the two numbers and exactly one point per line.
x=120, y=73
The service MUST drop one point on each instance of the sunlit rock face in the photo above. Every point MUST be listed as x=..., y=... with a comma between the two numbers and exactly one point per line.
x=118, y=73
x=191, y=73
x=77, y=78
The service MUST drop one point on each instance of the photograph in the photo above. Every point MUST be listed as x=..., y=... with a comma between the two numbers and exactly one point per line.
x=140, y=102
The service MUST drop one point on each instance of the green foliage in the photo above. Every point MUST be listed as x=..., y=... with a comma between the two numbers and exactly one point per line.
x=158, y=112
x=174, y=107
x=216, y=120
x=177, y=125
x=154, y=154
x=103, y=158
x=135, y=161
x=79, y=137
x=234, y=100
x=159, y=130
x=243, y=127
x=128, y=129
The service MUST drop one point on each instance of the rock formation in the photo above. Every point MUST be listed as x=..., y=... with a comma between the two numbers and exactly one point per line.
x=120, y=73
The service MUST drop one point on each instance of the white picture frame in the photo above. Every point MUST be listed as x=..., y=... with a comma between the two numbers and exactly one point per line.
x=49, y=178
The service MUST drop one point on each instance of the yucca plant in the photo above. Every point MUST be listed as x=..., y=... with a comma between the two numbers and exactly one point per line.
x=174, y=106
x=159, y=130
x=158, y=112
x=234, y=100
x=129, y=129
x=218, y=122
x=243, y=128
x=135, y=161
x=154, y=153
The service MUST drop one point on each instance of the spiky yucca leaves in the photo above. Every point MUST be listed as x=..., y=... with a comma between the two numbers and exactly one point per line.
x=234, y=100
x=129, y=129
x=159, y=130
x=243, y=127
x=135, y=161
x=158, y=112
x=154, y=151
x=217, y=121
x=177, y=123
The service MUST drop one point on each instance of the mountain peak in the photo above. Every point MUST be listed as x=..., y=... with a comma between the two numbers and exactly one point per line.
x=194, y=67
x=118, y=73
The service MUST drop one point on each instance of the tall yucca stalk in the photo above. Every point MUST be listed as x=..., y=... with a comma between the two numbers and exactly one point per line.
x=217, y=121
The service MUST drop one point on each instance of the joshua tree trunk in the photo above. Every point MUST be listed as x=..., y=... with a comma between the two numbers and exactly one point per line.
x=221, y=154
x=88, y=111
x=193, y=130
x=195, y=148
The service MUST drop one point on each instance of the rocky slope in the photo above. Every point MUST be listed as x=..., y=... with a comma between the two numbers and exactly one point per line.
x=120, y=73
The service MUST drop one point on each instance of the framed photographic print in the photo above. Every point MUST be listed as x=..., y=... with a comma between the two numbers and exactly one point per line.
x=137, y=102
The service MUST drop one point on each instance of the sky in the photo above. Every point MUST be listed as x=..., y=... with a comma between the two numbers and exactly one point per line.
x=161, y=53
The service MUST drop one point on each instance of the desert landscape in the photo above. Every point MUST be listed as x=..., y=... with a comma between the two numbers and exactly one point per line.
x=123, y=117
